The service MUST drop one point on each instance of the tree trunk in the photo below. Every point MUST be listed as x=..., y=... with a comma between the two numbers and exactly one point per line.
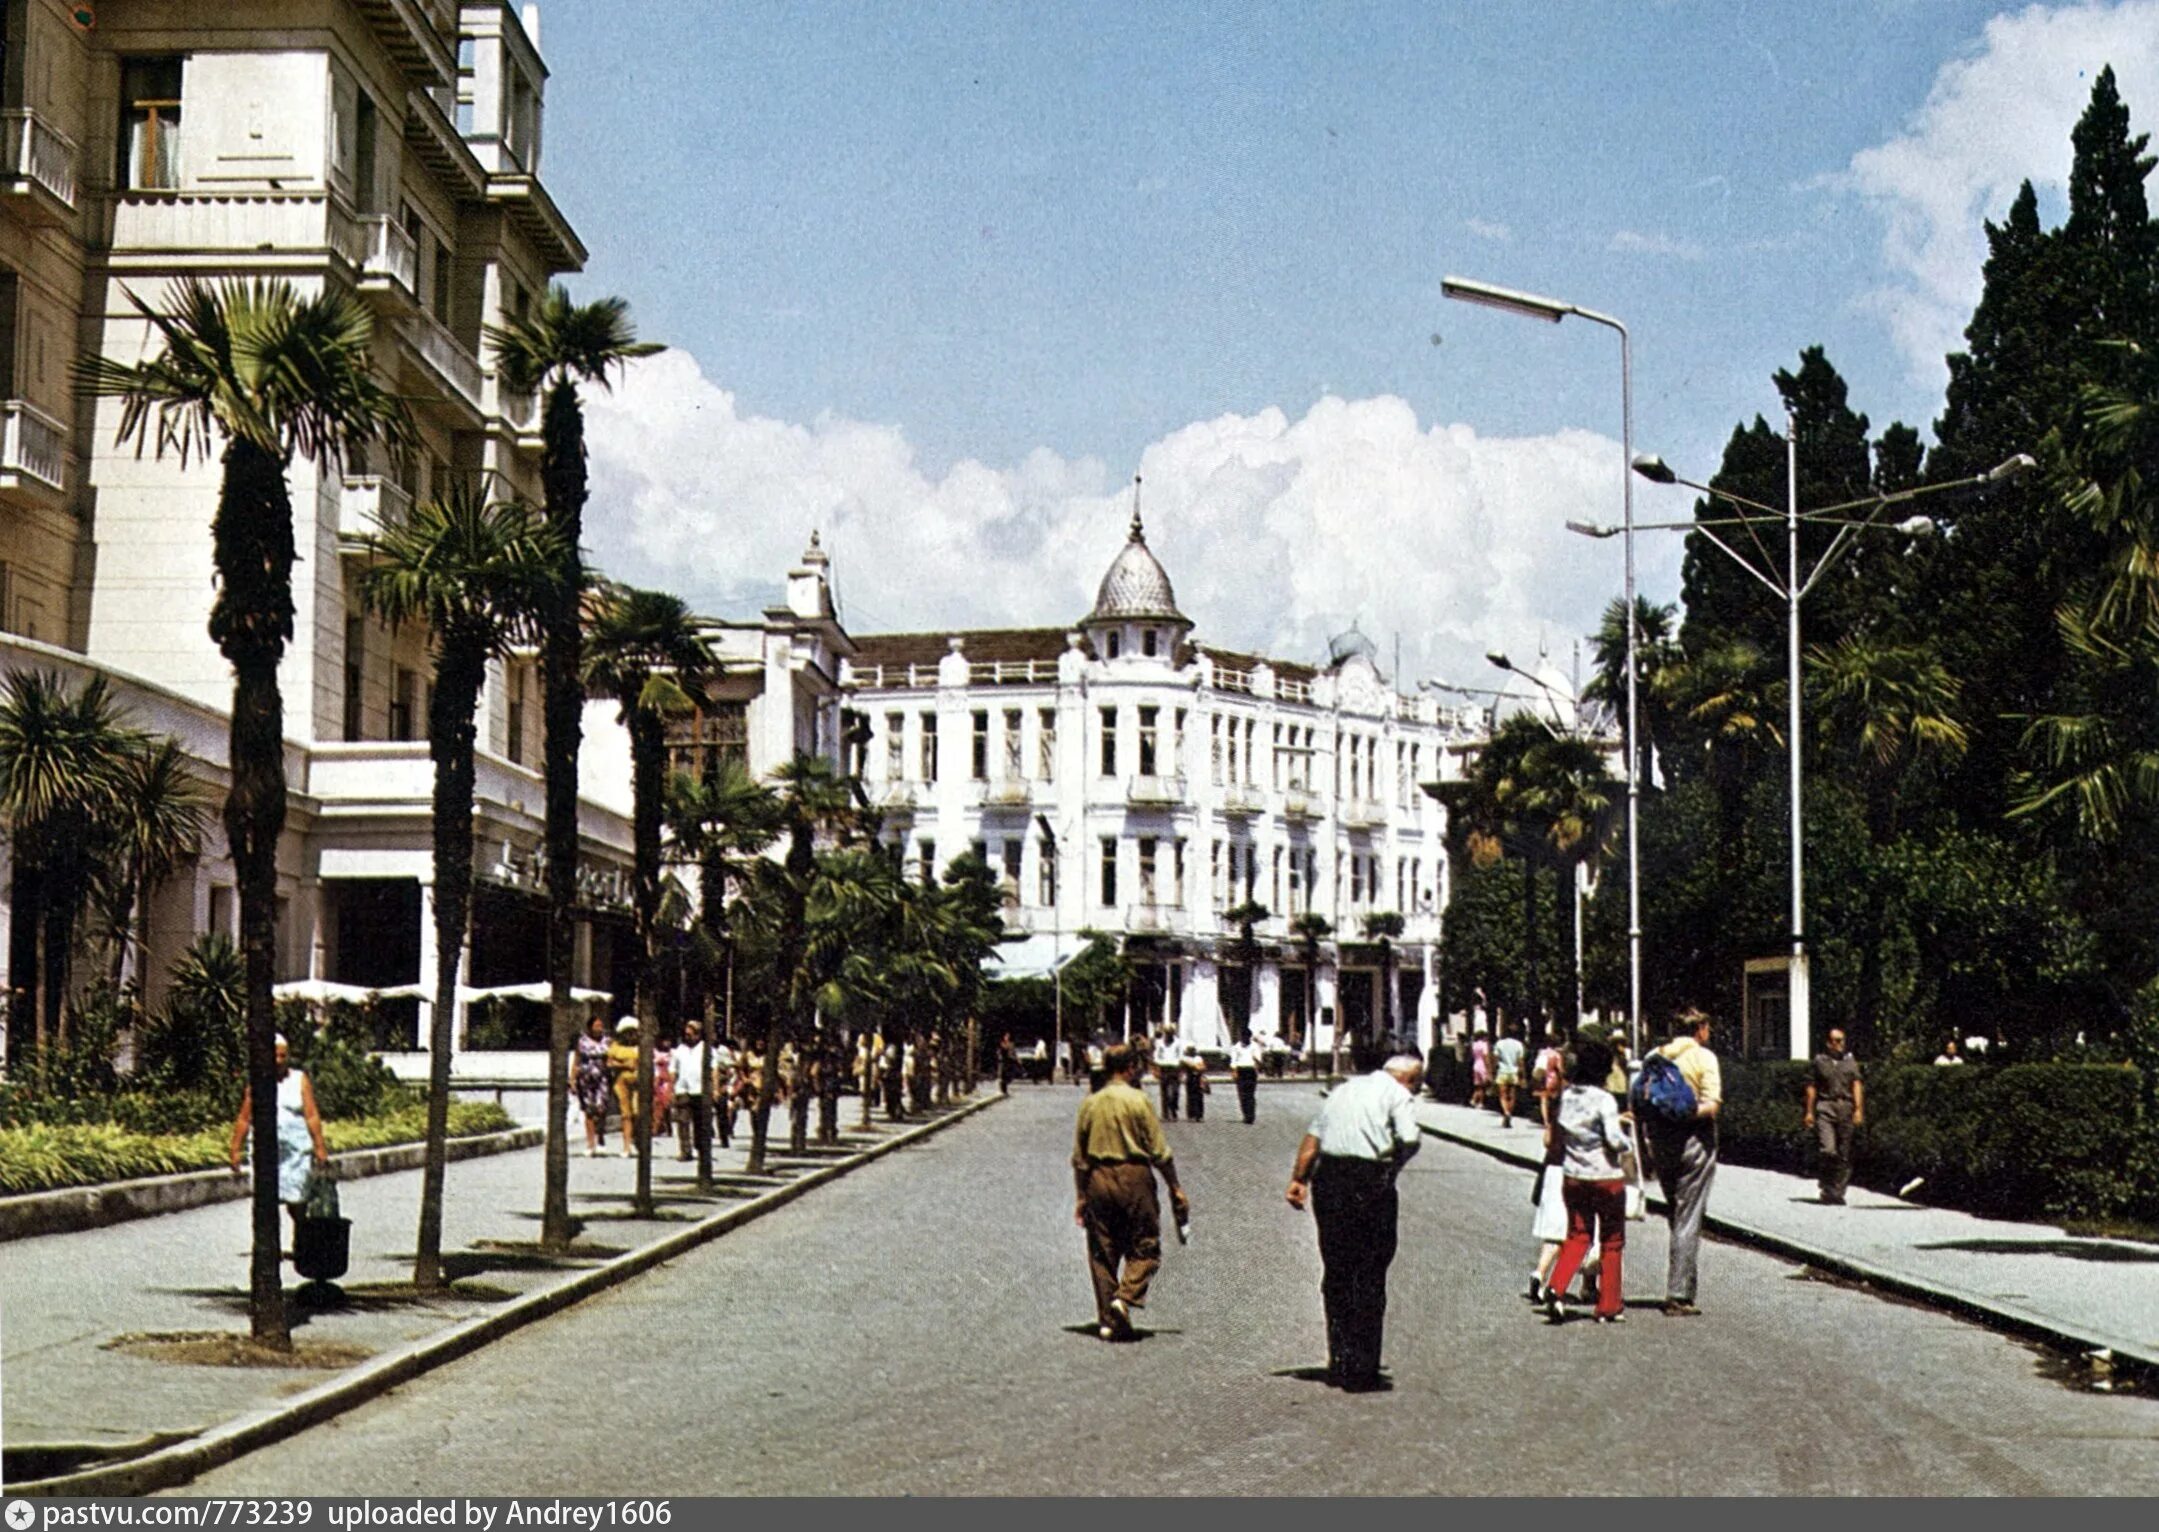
x=562, y=476
x=251, y=621
x=452, y=738
x=25, y=893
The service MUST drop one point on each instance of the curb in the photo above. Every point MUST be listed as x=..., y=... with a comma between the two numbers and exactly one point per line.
x=1991, y=1312
x=178, y=1464
x=73, y=1209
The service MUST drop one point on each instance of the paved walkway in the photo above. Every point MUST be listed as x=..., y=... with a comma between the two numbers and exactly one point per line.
x=2028, y=1277
x=65, y=1297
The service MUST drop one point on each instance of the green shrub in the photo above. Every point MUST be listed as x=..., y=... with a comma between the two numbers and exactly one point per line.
x=46, y=1156
x=348, y=1080
x=2020, y=1141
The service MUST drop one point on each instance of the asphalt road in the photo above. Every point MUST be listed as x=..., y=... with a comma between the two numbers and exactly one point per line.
x=924, y=1326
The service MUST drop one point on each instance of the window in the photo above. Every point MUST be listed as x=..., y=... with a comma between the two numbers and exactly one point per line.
x=355, y=673
x=1011, y=858
x=1147, y=731
x=439, y=298
x=401, y=703
x=1109, y=742
x=1215, y=885
x=895, y=746
x=979, y=852
x=1046, y=874
x=713, y=735
x=1274, y=887
x=978, y=759
x=1251, y=733
x=1214, y=738
x=1015, y=756
x=1109, y=870
x=516, y=723
x=927, y=851
x=929, y=747
x=1116, y=645
x=1173, y=746
x=1146, y=642
x=1046, y=743
x=1146, y=870
x=150, y=123
x=1176, y=892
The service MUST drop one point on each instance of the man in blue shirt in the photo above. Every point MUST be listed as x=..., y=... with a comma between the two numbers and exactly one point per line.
x=1364, y=1133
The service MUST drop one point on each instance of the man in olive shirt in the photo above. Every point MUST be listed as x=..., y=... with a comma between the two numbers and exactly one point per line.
x=1836, y=1105
x=1116, y=1150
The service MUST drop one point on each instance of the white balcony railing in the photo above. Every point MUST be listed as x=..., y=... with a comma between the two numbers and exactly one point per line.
x=35, y=151
x=1293, y=691
x=1012, y=672
x=1008, y=793
x=897, y=797
x=1161, y=918
x=212, y=222
x=1155, y=790
x=1239, y=681
x=447, y=357
x=389, y=256
x=889, y=677
x=1241, y=801
x=32, y=444
x=368, y=504
x=1363, y=813
x=1300, y=803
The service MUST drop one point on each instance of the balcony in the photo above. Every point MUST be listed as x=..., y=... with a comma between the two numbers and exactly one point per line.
x=33, y=448
x=418, y=34
x=1008, y=793
x=1363, y=813
x=1154, y=920
x=447, y=358
x=1154, y=792
x=897, y=798
x=1240, y=801
x=389, y=261
x=39, y=162
x=367, y=504
x=1300, y=804
x=265, y=226
x=1012, y=673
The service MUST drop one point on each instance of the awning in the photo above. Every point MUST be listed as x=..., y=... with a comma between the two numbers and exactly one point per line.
x=1037, y=956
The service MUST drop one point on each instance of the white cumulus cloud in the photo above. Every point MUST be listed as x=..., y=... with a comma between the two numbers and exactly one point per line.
x=1277, y=532
x=1498, y=233
x=1994, y=117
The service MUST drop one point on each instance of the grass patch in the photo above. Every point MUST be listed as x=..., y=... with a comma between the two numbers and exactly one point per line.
x=45, y=1157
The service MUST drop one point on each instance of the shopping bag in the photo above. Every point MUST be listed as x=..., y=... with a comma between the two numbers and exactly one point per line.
x=1637, y=1195
x=321, y=1240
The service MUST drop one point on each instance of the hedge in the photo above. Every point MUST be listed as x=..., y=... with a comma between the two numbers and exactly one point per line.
x=44, y=1157
x=2019, y=1141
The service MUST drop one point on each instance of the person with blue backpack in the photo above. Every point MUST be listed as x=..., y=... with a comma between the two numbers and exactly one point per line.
x=1676, y=1099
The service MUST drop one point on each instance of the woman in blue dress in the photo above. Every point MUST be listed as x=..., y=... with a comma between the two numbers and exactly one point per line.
x=300, y=1145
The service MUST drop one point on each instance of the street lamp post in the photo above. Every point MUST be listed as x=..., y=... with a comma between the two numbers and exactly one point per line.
x=1791, y=587
x=1552, y=311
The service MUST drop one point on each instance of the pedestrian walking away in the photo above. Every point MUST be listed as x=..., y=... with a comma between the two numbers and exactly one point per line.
x=1480, y=1068
x=1195, y=1083
x=1590, y=1134
x=693, y=1104
x=1365, y=1132
x=1117, y=1150
x=1507, y=1071
x=1682, y=1142
x=1097, y=1064
x=1244, y=1059
x=1836, y=1107
x=1169, y=1072
x=1008, y=1064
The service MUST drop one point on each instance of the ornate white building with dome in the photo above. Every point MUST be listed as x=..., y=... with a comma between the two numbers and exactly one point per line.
x=1123, y=778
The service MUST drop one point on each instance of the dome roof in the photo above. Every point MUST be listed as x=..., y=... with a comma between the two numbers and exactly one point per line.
x=1135, y=588
x=1344, y=647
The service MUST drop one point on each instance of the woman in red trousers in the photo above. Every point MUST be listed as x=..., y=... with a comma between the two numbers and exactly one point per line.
x=1589, y=1130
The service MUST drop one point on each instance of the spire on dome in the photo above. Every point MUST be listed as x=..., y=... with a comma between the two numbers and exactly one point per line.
x=1139, y=530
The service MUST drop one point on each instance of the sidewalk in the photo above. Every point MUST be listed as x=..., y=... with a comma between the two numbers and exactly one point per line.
x=69, y=1403
x=2028, y=1278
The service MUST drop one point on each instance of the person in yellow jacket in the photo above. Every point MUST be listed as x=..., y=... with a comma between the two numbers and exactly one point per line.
x=1686, y=1158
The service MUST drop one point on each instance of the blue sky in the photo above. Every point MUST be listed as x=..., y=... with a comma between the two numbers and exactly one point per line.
x=940, y=278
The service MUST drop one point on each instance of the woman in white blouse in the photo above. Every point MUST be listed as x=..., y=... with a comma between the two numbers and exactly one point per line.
x=1589, y=1131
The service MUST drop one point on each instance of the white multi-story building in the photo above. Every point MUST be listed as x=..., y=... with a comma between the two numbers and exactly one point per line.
x=1120, y=777
x=389, y=148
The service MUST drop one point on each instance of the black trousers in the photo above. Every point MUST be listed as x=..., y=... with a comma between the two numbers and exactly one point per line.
x=1355, y=1206
x=1248, y=1093
x=1172, y=1084
x=1195, y=1095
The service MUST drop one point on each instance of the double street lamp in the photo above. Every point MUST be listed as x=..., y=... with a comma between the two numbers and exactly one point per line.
x=1552, y=311
x=1791, y=585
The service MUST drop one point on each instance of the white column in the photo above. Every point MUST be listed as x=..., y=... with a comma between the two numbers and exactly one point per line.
x=1203, y=994
x=1267, y=1000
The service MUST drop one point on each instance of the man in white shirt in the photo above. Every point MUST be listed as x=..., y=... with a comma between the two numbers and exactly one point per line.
x=1169, y=1070
x=1364, y=1133
x=1244, y=1057
x=692, y=1113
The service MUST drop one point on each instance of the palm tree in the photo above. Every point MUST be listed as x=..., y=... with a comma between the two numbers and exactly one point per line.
x=556, y=347
x=1565, y=794
x=476, y=570
x=1383, y=927
x=157, y=826
x=65, y=770
x=1311, y=928
x=645, y=653
x=274, y=376
x=1245, y=917
x=1656, y=653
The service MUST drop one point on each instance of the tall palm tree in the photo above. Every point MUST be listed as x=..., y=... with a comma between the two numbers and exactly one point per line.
x=1311, y=928
x=1383, y=927
x=476, y=570
x=1565, y=796
x=65, y=768
x=272, y=375
x=556, y=347
x=157, y=826
x=645, y=653
x=1246, y=917
x=1656, y=652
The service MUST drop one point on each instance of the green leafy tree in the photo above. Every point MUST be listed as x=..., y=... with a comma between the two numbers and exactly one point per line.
x=272, y=376
x=476, y=571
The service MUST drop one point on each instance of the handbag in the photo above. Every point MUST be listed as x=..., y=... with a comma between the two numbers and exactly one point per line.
x=1637, y=1196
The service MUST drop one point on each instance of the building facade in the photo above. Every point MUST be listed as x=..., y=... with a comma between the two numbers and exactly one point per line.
x=388, y=148
x=1120, y=777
